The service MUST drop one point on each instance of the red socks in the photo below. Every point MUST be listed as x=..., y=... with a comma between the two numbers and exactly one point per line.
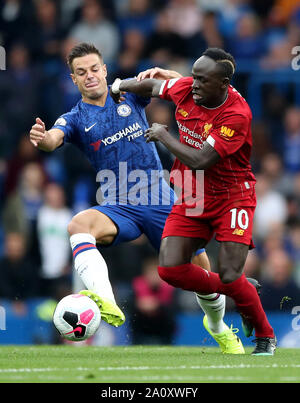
x=248, y=303
x=193, y=278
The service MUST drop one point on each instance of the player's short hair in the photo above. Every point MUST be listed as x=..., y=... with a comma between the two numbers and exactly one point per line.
x=82, y=49
x=224, y=59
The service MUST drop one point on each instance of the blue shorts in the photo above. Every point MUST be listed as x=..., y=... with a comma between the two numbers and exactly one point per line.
x=133, y=221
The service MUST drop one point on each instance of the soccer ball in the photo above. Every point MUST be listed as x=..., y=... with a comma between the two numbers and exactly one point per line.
x=76, y=317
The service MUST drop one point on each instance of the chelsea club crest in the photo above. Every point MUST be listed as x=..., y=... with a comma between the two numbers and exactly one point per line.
x=124, y=110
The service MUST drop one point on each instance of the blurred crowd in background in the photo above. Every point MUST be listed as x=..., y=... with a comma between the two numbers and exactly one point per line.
x=39, y=192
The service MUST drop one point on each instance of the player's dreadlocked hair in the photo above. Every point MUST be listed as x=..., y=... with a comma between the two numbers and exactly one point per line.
x=224, y=59
x=82, y=49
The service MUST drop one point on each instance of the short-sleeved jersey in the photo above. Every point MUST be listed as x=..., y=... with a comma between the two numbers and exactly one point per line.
x=227, y=128
x=112, y=138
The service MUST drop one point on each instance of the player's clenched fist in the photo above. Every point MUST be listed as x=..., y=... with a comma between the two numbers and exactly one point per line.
x=37, y=132
x=156, y=132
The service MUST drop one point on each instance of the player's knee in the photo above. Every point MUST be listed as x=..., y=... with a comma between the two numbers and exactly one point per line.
x=231, y=261
x=229, y=275
x=80, y=223
x=76, y=227
x=169, y=257
x=94, y=223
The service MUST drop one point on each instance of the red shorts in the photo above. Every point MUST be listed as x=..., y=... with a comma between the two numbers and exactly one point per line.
x=230, y=220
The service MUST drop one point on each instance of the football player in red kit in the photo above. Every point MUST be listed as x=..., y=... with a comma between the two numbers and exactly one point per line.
x=214, y=123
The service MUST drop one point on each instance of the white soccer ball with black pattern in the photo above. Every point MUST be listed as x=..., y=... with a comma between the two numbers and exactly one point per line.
x=76, y=317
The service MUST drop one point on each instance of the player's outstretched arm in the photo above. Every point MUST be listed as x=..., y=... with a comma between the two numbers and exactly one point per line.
x=46, y=140
x=146, y=88
x=158, y=73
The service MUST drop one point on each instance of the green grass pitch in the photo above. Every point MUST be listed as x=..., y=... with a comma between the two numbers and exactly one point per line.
x=143, y=364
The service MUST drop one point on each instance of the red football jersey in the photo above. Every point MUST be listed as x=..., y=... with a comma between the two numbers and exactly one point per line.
x=227, y=128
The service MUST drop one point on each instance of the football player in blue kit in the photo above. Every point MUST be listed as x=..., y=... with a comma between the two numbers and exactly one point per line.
x=136, y=198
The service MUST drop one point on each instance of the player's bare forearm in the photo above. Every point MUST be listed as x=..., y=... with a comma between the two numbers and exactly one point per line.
x=48, y=144
x=191, y=157
x=45, y=140
x=45, y=146
x=146, y=88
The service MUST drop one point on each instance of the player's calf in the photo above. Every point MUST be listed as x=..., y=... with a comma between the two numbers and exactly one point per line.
x=247, y=325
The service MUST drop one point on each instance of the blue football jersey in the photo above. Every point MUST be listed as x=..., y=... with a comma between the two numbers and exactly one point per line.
x=128, y=169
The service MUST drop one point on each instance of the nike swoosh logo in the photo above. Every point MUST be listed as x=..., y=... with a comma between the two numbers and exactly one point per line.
x=77, y=329
x=87, y=129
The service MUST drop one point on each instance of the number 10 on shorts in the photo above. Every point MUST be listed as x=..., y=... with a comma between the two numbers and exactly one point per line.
x=239, y=218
